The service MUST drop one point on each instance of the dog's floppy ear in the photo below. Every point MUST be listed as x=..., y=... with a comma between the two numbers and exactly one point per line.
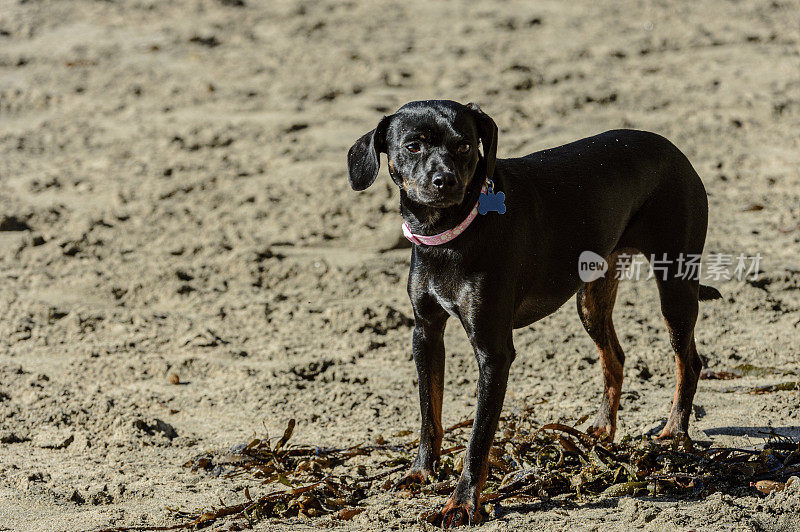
x=487, y=130
x=363, y=159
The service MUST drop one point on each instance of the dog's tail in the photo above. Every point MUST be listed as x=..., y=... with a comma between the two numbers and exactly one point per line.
x=707, y=293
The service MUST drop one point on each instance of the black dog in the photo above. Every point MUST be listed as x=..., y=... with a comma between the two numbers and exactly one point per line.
x=618, y=192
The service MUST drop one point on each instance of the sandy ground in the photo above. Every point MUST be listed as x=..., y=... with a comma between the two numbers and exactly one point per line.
x=174, y=200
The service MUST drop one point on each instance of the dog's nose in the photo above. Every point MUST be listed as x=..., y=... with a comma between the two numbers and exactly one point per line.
x=444, y=180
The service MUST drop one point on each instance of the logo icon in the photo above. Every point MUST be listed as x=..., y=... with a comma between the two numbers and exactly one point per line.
x=591, y=266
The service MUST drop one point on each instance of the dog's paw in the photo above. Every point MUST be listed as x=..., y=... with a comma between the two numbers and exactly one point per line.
x=414, y=476
x=457, y=513
x=604, y=425
x=603, y=432
x=671, y=433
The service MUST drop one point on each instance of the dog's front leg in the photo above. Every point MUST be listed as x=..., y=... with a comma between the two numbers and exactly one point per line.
x=428, y=349
x=494, y=361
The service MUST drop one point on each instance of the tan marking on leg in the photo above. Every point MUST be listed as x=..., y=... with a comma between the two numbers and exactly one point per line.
x=596, y=305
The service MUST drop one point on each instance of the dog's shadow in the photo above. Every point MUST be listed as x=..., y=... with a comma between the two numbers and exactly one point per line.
x=522, y=508
x=508, y=509
x=755, y=432
x=762, y=432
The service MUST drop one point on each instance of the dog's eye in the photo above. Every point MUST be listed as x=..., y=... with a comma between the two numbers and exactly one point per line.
x=463, y=148
x=413, y=147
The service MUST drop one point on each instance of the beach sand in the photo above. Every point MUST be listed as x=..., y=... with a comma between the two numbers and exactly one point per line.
x=174, y=200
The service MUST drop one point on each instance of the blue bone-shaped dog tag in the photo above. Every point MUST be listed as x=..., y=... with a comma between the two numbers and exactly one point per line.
x=490, y=201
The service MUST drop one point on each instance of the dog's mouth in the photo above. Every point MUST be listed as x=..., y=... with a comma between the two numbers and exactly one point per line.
x=437, y=200
x=441, y=203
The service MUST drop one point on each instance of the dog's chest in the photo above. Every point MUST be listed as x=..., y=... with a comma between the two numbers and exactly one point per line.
x=444, y=297
x=455, y=292
x=454, y=282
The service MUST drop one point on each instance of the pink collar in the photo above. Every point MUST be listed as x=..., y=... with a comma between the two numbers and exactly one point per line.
x=447, y=236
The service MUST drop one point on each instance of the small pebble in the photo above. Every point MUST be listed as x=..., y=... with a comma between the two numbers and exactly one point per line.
x=174, y=379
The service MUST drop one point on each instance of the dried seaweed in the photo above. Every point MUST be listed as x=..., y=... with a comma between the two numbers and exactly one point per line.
x=526, y=463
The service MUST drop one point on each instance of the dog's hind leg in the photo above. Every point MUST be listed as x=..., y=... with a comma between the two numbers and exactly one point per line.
x=679, y=307
x=671, y=229
x=595, y=307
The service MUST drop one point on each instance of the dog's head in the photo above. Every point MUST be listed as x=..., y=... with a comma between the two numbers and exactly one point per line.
x=432, y=147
